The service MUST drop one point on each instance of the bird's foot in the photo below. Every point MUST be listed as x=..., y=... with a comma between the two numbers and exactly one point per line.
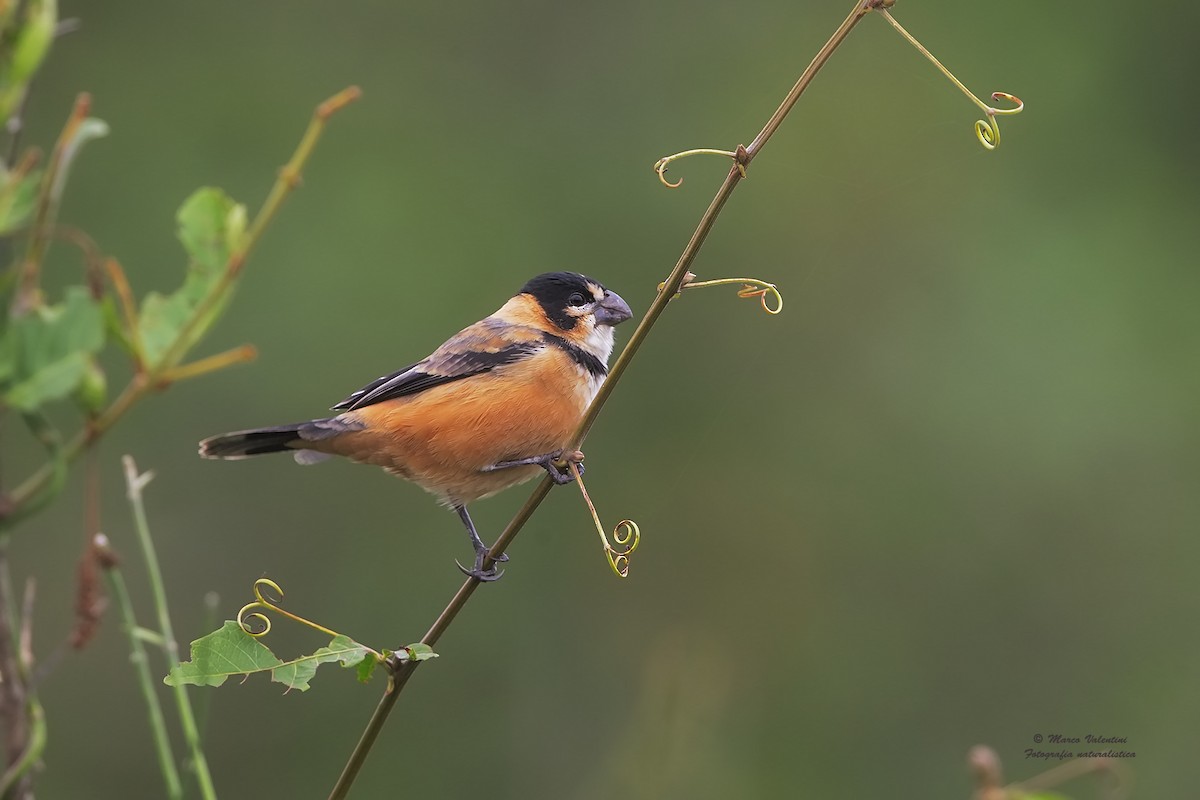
x=549, y=462
x=478, y=572
x=563, y=475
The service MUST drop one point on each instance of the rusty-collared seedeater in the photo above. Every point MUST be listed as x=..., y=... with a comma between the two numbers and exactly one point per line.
x=489, y=409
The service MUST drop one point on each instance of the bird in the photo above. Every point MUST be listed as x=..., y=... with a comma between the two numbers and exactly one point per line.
x=491, y=408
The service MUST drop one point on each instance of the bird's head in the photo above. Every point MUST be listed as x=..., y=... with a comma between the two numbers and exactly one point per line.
x=577, y=308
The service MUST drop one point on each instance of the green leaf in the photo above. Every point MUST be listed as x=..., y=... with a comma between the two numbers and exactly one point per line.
x=26, y=41
x=220, y=655
x=92, y=393
x=296, y=674
x=231, y=651
x=46, y=354
x=30, y=39
x=211, y=228
x=52, y=382
x=160, y=321
x=366, y=668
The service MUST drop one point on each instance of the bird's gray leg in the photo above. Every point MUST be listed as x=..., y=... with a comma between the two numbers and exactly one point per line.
x=481, y=551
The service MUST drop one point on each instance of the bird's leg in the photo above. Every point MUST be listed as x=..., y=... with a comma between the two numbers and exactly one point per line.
x=546, y=462
x=481, y=551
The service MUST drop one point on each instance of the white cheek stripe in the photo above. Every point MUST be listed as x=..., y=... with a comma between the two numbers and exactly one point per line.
x=599, y=341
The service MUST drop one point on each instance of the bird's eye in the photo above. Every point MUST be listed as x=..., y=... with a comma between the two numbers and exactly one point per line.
x=576, y=299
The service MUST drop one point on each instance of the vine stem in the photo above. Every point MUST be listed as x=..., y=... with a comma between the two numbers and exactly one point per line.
x=400, y=672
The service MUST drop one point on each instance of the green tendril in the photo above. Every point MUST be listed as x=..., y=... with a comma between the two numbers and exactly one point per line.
x=751, y=287
x=986, y=130
x=660, y=166
x=625, y=537
x=249, y=618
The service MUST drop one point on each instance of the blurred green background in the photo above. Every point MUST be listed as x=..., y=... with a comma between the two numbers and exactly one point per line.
x=948, y=497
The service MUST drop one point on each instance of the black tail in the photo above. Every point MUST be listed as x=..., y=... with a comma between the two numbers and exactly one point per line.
x=297, y=437
x=243, y=444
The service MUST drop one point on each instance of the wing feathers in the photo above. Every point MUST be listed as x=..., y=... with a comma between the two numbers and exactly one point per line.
x=483, y=347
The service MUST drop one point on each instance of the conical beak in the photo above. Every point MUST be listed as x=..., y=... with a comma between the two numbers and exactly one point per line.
x=613, y=310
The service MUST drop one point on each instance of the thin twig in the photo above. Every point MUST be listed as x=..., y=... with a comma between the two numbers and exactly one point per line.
x=203, y=366
x=285, y=183
x=17, y=708
x=861, y=9
x=187, y=719
x=141, y=666
x=17, y=777
x=28, y=293
x=402, y=671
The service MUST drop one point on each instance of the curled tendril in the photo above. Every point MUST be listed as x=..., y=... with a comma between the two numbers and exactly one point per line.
x=626, y=536
x=254, y=622
x=267, y=596
x=751, y=287
x=986, y=130
x=660, y=166
x=251, y=622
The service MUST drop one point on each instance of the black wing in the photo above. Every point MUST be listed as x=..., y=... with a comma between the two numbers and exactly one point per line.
x=352, y=401
x=481, y=348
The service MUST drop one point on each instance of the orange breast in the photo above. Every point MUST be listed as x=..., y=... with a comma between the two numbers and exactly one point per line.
x=443, y=437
